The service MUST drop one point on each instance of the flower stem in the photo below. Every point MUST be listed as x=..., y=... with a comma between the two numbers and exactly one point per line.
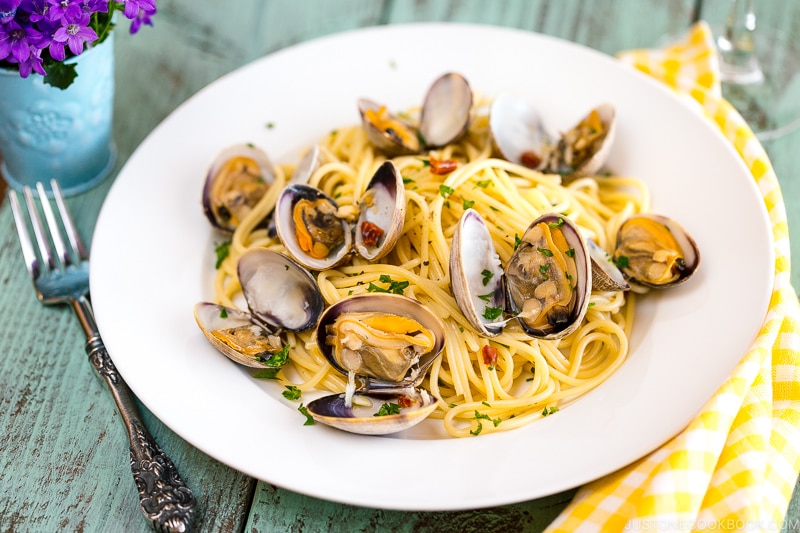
x=109, y=22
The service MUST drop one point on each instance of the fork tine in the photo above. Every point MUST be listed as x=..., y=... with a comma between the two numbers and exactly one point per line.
x=69, y=225
x=38, y=231
x=25, y=242
x=52, y=223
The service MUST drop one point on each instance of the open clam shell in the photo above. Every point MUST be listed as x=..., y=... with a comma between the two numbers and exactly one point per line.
x=446, y=112
x=237, y=179
x=548, y=278
x=655, y=251
x=476, y=275
x=386, y=131
x=310, y=227
x=518, y=131
x=445, y=117
x=280, y=294
x=234, y=334
x=386, y=343
x=584, y=149
x=365, y=416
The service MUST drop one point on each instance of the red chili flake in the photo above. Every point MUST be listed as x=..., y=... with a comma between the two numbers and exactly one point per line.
x=404, y=401
x=489, y=355
x=530, y=159
x=443, y=166
x=371, y=233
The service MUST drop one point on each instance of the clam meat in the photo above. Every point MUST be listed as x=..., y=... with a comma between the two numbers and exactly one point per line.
x=548, y=278
x=655, y=251
x=236, y=181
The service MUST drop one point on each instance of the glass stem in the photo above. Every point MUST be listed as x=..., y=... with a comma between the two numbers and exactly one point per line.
x=738, y=61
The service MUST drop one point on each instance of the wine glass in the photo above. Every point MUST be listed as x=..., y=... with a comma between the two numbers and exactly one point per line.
x=766, y=94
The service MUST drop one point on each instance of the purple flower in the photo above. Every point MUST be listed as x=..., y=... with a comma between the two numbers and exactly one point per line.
x=139, y=12
x=8, y=8
x=36, y=9
x=73, y=32
x=34, y=62
x=16, y=42
x=60, y=9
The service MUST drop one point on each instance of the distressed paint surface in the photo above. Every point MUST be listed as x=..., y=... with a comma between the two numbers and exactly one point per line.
x=63, y=451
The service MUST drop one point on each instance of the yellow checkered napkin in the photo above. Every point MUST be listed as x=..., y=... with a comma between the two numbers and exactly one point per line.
x=735, y=466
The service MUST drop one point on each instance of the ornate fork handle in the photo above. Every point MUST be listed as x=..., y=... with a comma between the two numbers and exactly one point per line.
x=165, y=500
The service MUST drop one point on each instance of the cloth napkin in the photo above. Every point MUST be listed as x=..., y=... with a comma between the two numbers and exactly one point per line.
x=735, y=466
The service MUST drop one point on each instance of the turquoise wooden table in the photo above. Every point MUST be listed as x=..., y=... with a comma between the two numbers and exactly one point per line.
x=63, y=452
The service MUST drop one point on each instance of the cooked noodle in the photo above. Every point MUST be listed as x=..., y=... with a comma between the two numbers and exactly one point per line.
x=531, y=377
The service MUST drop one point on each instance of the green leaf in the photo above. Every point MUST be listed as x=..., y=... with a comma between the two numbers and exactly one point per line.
x=490, y=313
x=388, y=409
x=446, y=191
x=621, y=261
x=60, y=75
x=467, y=204
x=222, y=250
x=267, y=373
x=477, y=431
x=545, y=251
x=276, y=360
x=487, y=275
x=309, y=419
x=292, y=393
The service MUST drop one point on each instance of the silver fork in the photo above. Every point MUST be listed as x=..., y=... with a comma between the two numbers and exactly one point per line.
x=63, y=278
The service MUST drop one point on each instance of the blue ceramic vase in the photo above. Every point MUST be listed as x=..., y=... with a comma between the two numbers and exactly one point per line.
x=47, y=133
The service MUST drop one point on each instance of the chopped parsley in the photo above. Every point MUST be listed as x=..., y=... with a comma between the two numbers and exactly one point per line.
x=517, y=242
x=395, y=287
x=467, y=204
x=570, y=252
x=292, y=393
x=621, y=261
x=270, y=125
x=477, y=431
x=276, y=360
x=388, y=409
x=222, y=250
x=545, y=251
x=309, y=419
x=479, y=416
x=483, y=183
x=556, y=224
x=549, y=410
x=406, y=180
x=543, y=270
x=223, y=313
x=490, y=313
x=487, y=276
x=267, y=373
x=445, y=191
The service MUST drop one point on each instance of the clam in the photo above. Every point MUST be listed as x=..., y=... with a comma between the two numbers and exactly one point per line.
x=519, y=135
x=548, y=278
x=309, y=164
x=545, y=284
x=237, y=179
x=385, y=344
x=317, y=232
x=655, y=251
x=445, y=117
x=280, y=295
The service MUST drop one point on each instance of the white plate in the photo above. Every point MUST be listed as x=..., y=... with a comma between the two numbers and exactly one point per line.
x=153, y=259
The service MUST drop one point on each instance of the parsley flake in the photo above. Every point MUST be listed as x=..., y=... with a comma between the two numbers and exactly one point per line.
x=388, y=409
x=621, y=261
x=490, y=313
x=222, y=250
x=467, y=204
x=487, y=275
x=545, y=251
x=445, y=191
x=309, y=419
x=556, y=224
x=292, y=393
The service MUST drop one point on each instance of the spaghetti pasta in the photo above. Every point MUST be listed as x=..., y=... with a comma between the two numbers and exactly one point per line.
x=529, y=378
